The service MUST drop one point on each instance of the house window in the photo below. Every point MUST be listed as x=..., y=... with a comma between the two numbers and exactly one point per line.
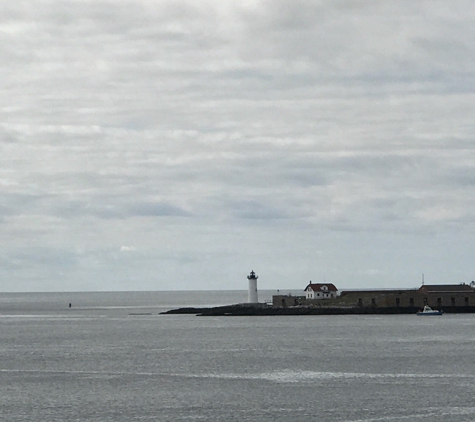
x=425, y=301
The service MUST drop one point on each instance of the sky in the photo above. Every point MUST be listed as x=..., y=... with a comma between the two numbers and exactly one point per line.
x=178, y=145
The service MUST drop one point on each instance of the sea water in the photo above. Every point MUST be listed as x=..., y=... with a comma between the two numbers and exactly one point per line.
x=112, y=357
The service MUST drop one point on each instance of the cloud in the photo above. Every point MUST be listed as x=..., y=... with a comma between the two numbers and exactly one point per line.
x=127, y=248
x=190, y=129
x=151, y=209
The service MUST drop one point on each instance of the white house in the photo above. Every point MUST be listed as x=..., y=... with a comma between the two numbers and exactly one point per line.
x=321, y=291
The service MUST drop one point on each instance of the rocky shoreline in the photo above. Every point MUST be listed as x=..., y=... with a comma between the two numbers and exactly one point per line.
x=241, y=310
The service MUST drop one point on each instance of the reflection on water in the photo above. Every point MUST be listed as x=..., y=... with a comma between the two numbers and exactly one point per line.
x=96, y=362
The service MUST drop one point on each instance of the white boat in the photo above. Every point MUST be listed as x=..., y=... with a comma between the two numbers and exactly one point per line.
x=429, y=311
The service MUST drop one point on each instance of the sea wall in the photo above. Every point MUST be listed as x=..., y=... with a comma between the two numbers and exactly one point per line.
x=409, y=299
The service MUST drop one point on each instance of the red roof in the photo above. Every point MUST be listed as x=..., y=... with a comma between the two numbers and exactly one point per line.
x=318, y=287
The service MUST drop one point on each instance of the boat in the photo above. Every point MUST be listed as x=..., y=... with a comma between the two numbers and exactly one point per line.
x=429, y=311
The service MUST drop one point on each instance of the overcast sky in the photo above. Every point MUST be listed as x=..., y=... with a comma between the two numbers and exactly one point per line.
x=170, y=145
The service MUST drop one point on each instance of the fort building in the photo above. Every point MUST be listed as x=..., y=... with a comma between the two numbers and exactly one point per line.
x=445, y=296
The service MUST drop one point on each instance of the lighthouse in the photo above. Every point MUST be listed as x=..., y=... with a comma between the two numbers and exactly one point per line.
x=252, y=297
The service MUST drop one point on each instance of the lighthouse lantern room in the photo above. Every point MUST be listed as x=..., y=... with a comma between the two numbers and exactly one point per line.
x=252, y=297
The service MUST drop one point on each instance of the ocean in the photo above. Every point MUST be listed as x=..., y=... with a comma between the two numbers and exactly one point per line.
x=112, y=357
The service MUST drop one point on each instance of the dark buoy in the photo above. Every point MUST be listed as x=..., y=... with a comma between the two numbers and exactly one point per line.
x=69, y=305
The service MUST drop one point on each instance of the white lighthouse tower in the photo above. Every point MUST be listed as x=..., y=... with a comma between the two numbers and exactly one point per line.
x=252, y=297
